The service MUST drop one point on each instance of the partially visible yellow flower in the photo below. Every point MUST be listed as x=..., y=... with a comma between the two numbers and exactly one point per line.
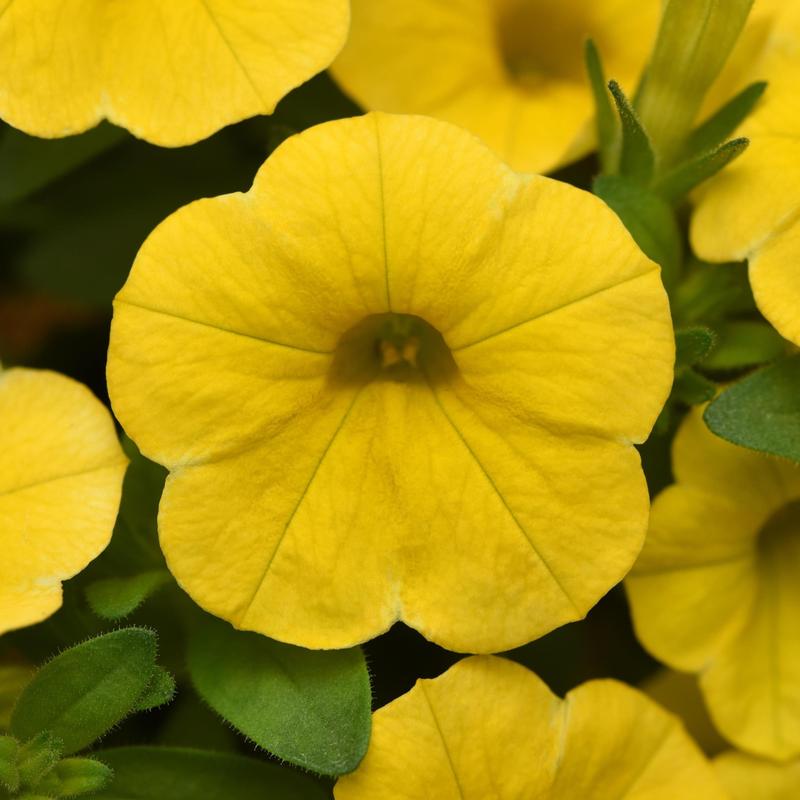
x=489, y=728
x=395, y=380
x=749, y=778
x=171, y=72
x=61, y=470
x=717, y=587
x=511, y=71
x=752, y=210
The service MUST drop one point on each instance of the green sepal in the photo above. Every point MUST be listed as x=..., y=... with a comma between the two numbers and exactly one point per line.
x=692, y=388
x=746, y=343
x=73, y=777
x=606, y=120
x=678, y=182
x=308, y=707
x=762, y=411
x=637, y=160
x=159, y=691
x=85, y=691
x=9, y=771
x=724, y=123
x=649, y=219
x=709, y=293
x=37, y=757
x=115, y=598
x=693, y=345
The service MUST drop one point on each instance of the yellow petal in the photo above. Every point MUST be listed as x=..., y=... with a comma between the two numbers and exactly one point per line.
x=172, y=73
x=510, y=72
x=715, y=588
x=346, y=501
x=749, y=778
x=490, y=728
x=61, y=472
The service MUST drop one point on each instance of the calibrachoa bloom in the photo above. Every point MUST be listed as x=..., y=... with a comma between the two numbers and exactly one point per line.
x=381, y=383
x=491, y=728
x=717, y=587
x=749, y=778
x=61, y=470
x=511, y=71
x=171, y=72
x=752, y=210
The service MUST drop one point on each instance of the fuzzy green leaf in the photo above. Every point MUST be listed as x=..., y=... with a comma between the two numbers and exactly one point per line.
x=310, y=708
x=648, y=218
x=163, y=773
x=677, y=183
x=693, y=345
x=692, y=388
x=73, y=777
x=715, y=130
x=762, y=411
x=115, y=598
x=637, y=160
x=606, y=120
x=88, y=689
x=159, y=691
x=9, y=772
x=746, y=344
x=37, y=757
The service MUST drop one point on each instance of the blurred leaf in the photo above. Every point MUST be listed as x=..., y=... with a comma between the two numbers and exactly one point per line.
x=9, y=772
x=159, y=691
x=762, y=411
x=714, y=131
x=13, y=679
x=678, y=182
x=28, y=164
x=649, y=219
x=308, y=707
x=88, y=689
x=161, y=773
x=637, y=160
x=692, y=388
x=711, y=292
x=746, y=344
x=606, y=120
x=74, y=777
x=693, y=345
x=115, y=598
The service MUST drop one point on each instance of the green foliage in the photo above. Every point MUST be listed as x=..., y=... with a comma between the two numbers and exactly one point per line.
x=745, y=343
x=606, y=120
x=310, y=708
x=87, y=690
x=762, y=411
x=115, y=598
x=159, y=691
x=163, y=773
x=72, y=777
x=693, y=345
x=637, y=159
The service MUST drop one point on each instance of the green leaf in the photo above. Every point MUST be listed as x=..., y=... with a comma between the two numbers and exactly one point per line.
x=115, y=598
x=37, y=757
x=310, y=708
x=637, y=160
x=163, y=773
x=677, y=183
x=9, y=772
x=606, y=120
x=762, y=411
x=649, y=219
x=692, y=388
x=28, y=164
x=714, y=131
x=746, y=344
x=711, y=292
x=73, y=777
x=88, y=689
x=693, y=345
x=159, y=691
x=13, y=679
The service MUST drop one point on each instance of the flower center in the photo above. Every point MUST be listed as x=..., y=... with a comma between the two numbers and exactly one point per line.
x=542, y=40
x=783, y=525
x=398, y=347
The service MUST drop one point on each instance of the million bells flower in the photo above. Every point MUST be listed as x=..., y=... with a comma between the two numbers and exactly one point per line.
x=170, y=72
x=490, y=728
x=379, y=380
x=717, y=587
x=61, y=470
x=511, y=71
x=752, y=209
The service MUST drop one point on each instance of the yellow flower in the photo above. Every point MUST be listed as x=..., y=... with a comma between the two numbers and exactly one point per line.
x=395, y=380
x=717, y=587
x=511, y=71
x=752, y=210
x=490, y=728
x=61, y=470
x=748, y=778
x=170, y=72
